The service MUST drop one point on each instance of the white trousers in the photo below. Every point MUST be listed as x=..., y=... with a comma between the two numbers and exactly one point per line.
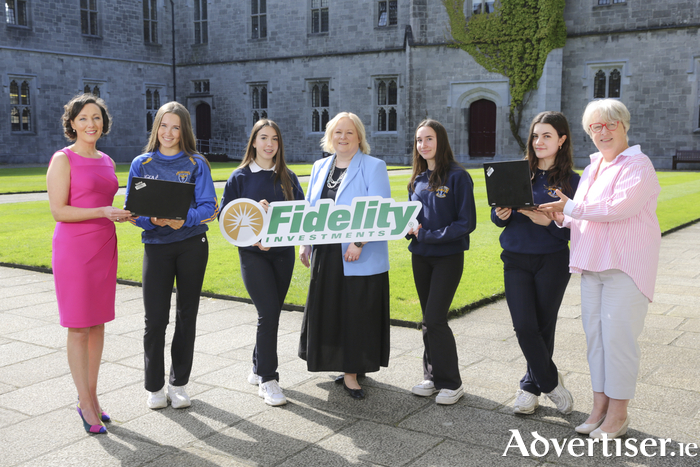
x=613, y=311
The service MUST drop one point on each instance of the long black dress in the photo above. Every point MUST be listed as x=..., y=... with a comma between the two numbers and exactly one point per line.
x=346, y=318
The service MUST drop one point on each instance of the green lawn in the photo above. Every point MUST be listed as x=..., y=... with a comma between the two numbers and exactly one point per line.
x=26, y=230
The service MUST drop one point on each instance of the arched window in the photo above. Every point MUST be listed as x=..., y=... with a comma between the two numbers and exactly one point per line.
x=152, y=106
x=387, y=104
x=86, y=89
x=315, y=121
x=614, y=90
x=381, y=93
x=599, y=85
x=26, y=119
x=393, y=93
x=324, y=95
x=320, y=100
x=381, y=119
x=392, y=119
x=149, y=99
x=14, y=118
x=259, y=101
x=25, y=93
x=20, y=101
x=14, y=93
x=96, y=91
x=156, y=99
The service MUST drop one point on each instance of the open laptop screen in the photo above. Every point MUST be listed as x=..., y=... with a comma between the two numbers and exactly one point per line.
x=159, y=198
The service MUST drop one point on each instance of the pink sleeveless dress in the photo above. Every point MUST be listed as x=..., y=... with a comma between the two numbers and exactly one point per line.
x=84, y=257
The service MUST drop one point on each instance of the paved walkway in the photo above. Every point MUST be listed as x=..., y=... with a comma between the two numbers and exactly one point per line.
x=229, y=425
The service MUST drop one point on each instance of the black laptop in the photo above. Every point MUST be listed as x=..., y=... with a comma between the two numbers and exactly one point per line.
x=159, y=198
x=509, y=184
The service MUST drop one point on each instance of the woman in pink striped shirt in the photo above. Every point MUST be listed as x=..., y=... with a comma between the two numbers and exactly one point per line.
x=615, y=240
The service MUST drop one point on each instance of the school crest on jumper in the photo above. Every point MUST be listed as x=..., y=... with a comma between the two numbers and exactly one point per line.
x=183, y=176
x=442, y=191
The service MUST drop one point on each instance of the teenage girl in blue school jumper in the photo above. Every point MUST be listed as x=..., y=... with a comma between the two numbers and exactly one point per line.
x=267, y=272
x=175, y=251
x=438, y=243
x=536, y=262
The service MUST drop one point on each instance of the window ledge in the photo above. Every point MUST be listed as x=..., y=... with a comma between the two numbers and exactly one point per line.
x=318, y=34
x=19, y=27
x=153, y=44
x=696, y=131
x=391, y=27
x=385, y=133
x=23, y=133
x=259, y=39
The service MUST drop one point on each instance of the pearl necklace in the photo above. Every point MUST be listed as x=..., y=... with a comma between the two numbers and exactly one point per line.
x=333, y=184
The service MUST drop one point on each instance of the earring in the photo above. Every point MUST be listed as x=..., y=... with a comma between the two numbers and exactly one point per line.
x=560, y=147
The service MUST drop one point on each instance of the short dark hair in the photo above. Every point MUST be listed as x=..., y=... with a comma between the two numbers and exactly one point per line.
x=73, y=108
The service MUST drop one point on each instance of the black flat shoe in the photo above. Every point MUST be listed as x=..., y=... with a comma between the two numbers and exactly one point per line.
x=340, y=378
x=354, y=393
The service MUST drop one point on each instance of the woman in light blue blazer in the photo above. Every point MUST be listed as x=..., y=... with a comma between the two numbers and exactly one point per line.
x=346, y=318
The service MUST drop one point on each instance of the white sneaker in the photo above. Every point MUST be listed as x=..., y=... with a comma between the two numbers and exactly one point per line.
x=424, y=389
x=254, y=379
x=178, y=397
x=449, y=396
x=157, y=400
x=272, y=393
x=561, y=397
x=525, y=402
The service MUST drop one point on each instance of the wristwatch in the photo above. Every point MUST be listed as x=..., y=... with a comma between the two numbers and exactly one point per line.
x=359, y=244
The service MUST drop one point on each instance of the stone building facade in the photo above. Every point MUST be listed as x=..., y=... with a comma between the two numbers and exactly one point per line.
x=300, y=62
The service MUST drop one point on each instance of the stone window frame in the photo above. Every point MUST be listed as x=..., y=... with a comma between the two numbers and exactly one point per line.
x=258, y=20
x=319, y=114
x=153, y=97
x=89, y=85
x=319, y=7
x=384, y=8
x=610, y=2
x=90, y=18
x=201, y=22
x=201, y=86
x=17, y=85
x=259, y=100
x=386, y=106
x=150, y=22
x=13, y=19
x=608, y=67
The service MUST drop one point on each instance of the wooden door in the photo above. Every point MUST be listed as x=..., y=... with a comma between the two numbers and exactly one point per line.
x=482, y=129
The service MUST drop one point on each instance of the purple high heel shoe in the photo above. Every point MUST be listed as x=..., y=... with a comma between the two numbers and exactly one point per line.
x=94, y=429
x=104, y=416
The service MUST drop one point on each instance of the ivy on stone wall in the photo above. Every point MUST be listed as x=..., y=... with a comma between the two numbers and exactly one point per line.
x=514, y=40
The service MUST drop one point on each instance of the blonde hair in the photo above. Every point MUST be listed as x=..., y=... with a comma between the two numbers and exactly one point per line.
x=327, y=140
x=606, y=110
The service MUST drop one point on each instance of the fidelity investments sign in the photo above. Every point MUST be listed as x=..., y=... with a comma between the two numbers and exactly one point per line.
x=244, y=222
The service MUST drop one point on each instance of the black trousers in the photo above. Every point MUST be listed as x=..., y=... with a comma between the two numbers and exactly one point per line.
x=267, y=276
x=535, y=286
x=185, y=261
x=437, y=279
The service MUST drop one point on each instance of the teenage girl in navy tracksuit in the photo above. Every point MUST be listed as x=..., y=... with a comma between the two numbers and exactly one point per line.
x=173, y=249
x=267, y=272
x=536, y=262
x=438, y=242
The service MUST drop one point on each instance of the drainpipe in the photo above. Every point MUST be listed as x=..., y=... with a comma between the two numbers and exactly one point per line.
x=172, y=18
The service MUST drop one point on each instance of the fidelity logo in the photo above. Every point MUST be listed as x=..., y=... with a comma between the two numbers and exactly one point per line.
x=243, y=222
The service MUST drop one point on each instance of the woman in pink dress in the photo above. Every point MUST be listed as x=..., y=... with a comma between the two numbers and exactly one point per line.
x=81, y=185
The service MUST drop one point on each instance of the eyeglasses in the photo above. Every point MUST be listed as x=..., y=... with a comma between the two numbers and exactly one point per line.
x=598, y=127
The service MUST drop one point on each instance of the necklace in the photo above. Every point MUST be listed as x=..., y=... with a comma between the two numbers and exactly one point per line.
x=333, y=184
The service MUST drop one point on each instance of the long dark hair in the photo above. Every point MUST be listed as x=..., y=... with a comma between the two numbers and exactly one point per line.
x=281, y=171
x=444, y=158
x=559, y=173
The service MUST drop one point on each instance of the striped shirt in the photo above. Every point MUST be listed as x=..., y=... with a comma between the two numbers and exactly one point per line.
x=613, y=219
